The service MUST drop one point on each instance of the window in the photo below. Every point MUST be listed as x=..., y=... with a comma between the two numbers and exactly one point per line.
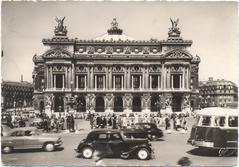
x=102, y=136
x=99, y=81
x=155, y=81
x=18, y=133
x=59, y=80
x=136, y=81
x=118, y=81
x=206, y=121
x=219, y=121
x=233, y=121
x=176, y=80
x=81, y=81
x=115, y=136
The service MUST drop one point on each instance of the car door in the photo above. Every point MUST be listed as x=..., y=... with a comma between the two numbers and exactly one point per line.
x=100, y=143
x=17, y=138
x=116, y=144
x=31, y=140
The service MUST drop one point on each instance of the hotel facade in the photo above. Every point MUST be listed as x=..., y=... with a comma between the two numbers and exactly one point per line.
x=115, y=73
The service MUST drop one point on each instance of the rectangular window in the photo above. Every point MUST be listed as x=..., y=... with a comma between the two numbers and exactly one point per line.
x=59, y=80
x=155, y=81
x=136, y=81
x=81, y=81
x=206, y=121
x=100, y=81
x=118, y=81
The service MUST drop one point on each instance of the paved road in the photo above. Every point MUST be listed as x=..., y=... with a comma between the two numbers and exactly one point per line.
x=167, y=152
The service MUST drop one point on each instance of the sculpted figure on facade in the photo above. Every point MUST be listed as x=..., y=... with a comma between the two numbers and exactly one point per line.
x=49, y=100
x=168, y=100
x=174, y=30
x=60, y=29
x=109, y=100
x=186, y=101
x=128, y=101
x=90, y=101
x=146, y=100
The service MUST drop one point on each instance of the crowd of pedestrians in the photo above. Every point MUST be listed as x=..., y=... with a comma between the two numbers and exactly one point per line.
x=71, y=122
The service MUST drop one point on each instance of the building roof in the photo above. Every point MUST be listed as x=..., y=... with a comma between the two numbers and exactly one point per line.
x=114, y=34
x=212, y=82
x=14, y=83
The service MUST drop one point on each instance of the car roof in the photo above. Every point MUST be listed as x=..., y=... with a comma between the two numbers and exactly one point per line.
x=217, y=111
x=22, y=129
x=105, y=131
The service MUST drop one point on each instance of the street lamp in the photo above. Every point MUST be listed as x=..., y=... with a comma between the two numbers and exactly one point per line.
x=14, y=105
x=157, y=103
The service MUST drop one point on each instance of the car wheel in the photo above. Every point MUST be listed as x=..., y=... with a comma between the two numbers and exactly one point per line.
x=87, y=152
x=7, y=149
x=143, y=154
x=49, y=147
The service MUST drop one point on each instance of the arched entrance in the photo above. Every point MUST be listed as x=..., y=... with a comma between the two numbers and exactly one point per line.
x=81, y=104
x=155, y=104
x=177, y=102
x=136, y=106
x=99, y=104
x=118, y=104
x=59, y=103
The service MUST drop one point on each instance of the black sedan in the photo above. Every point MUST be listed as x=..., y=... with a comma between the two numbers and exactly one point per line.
x=144, y=130
x=112, y=143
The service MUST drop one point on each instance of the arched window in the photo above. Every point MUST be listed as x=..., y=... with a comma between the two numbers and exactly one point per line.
x=118, y=104
x=136, y=106
x=99, y=104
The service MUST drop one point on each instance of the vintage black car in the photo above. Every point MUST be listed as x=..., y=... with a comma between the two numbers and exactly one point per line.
x=112, y=143
x=144, y=130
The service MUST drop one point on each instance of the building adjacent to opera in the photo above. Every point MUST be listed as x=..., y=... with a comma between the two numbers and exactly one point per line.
x=116, y=73
x=218, y=93
x=16, y=95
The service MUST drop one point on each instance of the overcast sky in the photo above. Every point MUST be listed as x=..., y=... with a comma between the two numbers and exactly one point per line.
x=211, y=25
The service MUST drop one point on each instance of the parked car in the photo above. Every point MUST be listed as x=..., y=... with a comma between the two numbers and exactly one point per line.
x=28, y=138
x=5, y=128
x=113, y=144
x=144, y=130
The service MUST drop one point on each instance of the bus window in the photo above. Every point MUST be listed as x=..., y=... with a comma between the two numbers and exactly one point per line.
x=232, y=121
x=219, y=121
x=206, y=121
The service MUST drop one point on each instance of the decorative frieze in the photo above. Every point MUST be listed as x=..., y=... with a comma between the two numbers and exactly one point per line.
x=109, y=100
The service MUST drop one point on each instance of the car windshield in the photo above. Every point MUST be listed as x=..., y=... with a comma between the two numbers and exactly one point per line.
x=233, y=121
x=32, y=132
x=219, y=121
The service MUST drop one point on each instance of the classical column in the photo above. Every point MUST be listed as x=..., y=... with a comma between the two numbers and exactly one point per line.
x=132, y=82
x=47, y=77
x=54, y=81
x=158, y=81
x=140, y=82
x=51, y=76
x=103, y=81
x=77, y=81
x=172, y=81
x=180, y=81
x=95, y=86
x=113, y=81
x=122, y=83
x=110, y=77
x=63, y=81
x=92, y=78
x=107, y=78
x=150, y=82
x=187, y=79
x=143, y=77
x=88, y=78
x=125, y=77
x=128, y=79
x=85, y=81
x=183, y=78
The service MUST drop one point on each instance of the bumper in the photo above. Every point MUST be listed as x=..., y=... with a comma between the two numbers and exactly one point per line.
x=58, y=144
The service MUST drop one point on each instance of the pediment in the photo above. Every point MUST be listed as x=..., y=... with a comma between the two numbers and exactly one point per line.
x=178, y=54
x=57, y=53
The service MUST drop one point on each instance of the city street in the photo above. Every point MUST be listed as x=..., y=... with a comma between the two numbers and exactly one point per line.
x=167, y=152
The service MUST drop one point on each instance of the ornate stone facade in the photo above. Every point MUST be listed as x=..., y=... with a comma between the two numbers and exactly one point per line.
x=116, y=73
